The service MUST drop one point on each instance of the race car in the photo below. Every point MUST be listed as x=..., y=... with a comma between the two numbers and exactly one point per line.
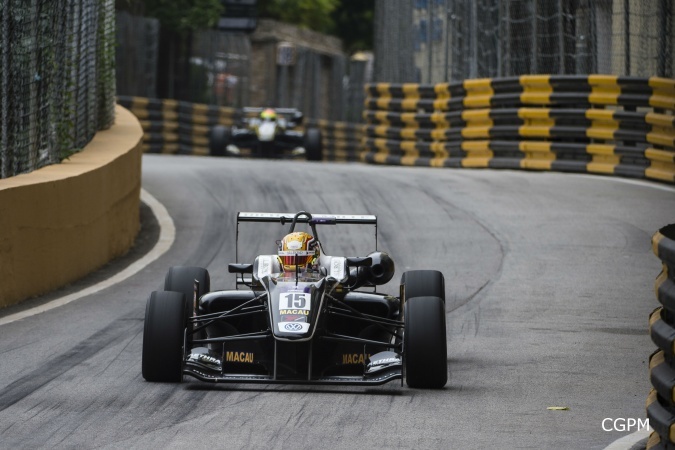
x=299, y=316
x=267, y=133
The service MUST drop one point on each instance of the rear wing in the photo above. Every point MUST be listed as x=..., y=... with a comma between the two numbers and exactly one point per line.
x=292, y=115
x=281, y=111
x=317, y=219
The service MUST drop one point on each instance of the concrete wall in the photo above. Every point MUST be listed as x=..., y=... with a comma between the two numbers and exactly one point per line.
x=63, y=221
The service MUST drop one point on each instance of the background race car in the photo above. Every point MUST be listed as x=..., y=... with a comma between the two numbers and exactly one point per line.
x=267, y=133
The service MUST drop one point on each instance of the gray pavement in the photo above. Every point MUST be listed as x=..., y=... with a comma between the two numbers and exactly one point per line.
x=549, y=281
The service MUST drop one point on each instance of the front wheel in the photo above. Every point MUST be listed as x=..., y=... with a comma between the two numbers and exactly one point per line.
x=219, y=138
x=164, y=328
x=424, y=344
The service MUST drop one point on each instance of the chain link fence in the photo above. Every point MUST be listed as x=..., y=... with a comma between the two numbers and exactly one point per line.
x=136, y=54
x=57, y=80
x=454, y=40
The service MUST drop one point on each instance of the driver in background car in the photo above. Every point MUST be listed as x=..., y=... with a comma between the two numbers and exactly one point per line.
x=270, y=115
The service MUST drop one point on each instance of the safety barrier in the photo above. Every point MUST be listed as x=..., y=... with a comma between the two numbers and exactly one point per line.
x=595, y=124
x=63, y=221
x=661, y=400
x=178, y=127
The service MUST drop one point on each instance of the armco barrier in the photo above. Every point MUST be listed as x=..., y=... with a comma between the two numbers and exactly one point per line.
x=62, y=221
x=177, y=127
x=661, y=401
x=594, y=124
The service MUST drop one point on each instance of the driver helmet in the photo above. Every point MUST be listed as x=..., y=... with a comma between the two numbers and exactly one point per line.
x=299, y=249
x=268, y=114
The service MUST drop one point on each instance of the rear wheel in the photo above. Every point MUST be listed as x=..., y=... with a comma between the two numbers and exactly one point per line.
x=163, y=332
x=313, y=144
x=424, y=344
x=422, y=283
x=182, y=279
x=219, y=138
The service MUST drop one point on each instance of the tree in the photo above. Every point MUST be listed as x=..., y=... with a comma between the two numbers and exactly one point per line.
x=353, y=23
x=312, y=14
x=350, y=20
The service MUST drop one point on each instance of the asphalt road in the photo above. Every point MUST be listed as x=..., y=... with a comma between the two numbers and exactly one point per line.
x=549, y=282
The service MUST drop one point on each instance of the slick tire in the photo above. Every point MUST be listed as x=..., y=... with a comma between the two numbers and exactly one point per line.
x=219, y=138
x=422, y=283
x=424, y=345
x=182, y=279
x=162, y=358
x=313, y=144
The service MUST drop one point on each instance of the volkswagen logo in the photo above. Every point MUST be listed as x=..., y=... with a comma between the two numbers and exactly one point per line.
x=293, y=326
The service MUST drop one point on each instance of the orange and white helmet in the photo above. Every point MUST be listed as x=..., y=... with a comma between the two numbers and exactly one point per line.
x=268, y=114
x=299, y=249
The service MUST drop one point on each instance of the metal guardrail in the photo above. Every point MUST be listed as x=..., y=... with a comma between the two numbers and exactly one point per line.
x=178, y=127
x=661, y=400
x=591, y=124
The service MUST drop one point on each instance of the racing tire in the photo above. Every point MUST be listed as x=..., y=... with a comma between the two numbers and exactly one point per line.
x=182, y=279
x=424, y=343
x=422, y=283
x=219, y=138
x=163, y=332
x=313, y=144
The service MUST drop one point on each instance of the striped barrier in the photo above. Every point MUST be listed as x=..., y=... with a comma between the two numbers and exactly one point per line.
x=595, y=124
x=661, y=400
x=176, y=127
x=171, y=126
x=341, y=140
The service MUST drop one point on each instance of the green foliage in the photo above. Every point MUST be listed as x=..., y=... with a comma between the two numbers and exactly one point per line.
x=353, y=23
x=184, y=15
x=313, y=14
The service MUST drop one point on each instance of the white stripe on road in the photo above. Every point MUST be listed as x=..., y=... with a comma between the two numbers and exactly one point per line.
x=627, y=442
x=167, y=235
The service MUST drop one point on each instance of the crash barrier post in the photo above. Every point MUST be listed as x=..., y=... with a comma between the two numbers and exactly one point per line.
x=63, y=221
x=177, y=127
x=661, y=400
x=600, y=124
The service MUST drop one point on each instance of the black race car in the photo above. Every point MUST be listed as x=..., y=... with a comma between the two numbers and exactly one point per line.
x=267, y=133
x=327, y=325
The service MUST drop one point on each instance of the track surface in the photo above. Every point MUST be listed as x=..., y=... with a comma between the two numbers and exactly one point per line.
x=549, y=282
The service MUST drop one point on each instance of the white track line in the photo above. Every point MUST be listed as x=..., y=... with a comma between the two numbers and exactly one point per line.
x=627, y=442
x=167, y=235
x=643, y=183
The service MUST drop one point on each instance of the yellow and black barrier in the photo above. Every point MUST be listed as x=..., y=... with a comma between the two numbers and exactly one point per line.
x=595, y=124
x=661, y=400
x=178, y=127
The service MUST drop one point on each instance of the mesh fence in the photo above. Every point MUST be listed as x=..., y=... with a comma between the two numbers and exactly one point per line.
x=455, y=40
x=136, y=54
x=57, y=80
x=219, y=68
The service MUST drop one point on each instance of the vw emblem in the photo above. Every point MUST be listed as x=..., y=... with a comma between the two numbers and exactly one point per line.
x=293, y=326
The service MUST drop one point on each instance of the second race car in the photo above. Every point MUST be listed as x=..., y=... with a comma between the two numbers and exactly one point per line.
x=267, y=133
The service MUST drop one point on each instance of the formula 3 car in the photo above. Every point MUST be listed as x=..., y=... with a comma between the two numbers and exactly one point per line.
x=320, y=323
x=267, y=133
